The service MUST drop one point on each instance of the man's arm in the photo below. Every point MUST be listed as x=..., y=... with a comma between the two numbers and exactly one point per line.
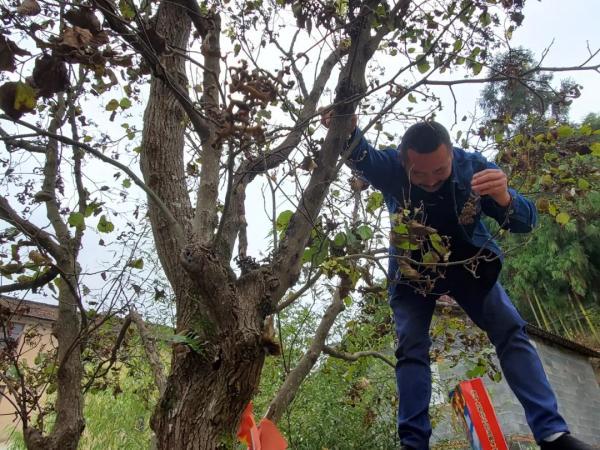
x=377, y=167
x=510, y=209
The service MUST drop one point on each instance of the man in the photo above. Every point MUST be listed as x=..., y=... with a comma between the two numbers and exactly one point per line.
x=426, y=171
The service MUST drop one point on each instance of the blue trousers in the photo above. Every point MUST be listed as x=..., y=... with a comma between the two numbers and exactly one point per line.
x=522, y=368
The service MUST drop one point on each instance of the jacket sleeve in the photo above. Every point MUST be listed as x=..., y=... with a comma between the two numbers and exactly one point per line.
x=520, y=216
x=378, y=167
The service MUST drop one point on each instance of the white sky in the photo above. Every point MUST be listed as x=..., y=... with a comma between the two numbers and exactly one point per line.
x=565, y=27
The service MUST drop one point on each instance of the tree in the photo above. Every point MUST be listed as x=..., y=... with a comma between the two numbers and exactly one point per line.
x=525, y=98
x=243, y=121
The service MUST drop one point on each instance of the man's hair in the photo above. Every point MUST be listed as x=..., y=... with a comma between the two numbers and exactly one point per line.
x=424, y=137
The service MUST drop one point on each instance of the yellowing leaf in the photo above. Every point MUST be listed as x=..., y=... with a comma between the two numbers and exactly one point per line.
x=112, y=105
x=546, y=180
x=583, y=184
x=24, y=97
x=562, y=218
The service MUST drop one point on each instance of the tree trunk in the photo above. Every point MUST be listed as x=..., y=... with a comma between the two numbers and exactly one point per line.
x=69, y=401
x=202, y=406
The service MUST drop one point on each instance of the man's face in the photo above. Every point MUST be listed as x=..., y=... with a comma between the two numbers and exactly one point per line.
x=429, y=171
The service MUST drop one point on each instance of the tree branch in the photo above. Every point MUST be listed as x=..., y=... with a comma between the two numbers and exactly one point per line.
x=286, y=393
x=37, y=282
x=293, y=296
x=205, y=219
x=51, y=176
x=151, y=352
x=113, y=354
x=151, y=194
x=41, y=237
x=518, y=77
x=287, y=260
x=272, y=159
x=250, y=169
x=352, y=357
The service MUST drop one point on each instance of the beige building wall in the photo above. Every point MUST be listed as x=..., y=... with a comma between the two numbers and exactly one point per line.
x=9, y=421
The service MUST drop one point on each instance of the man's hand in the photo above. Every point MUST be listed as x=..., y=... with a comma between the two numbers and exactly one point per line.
x=492, y=182
x=326, y=119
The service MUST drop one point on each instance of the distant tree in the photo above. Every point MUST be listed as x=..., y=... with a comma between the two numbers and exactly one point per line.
x=524, y=94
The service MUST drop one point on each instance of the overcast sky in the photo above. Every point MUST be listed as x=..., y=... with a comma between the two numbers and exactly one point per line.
x=566, y=28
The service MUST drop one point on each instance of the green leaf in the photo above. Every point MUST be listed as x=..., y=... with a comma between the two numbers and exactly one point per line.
x=400, y=228
x=438, y=244
x=546, y=180
x=339, y=240
x=364, y=232
x=316, y=253
x=458, y=45
x=595, y=147
x=475, y=372
x=347, y=301
x=77, y=220
x=562, y=218
x=430, y=258
x=374, y=202
x=283, y=220
x=91, y=208
x=104, y=225
x=477, y=66
x=412, y=98
x=136, y=263
x=125, y=103
x=564, y=131
x=126, y=9
x=126, y=183
x=485, y=19
x=583, y=184
x=113, y=105
x=423, y=66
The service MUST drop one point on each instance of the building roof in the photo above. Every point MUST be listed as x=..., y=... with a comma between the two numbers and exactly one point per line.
x=447, y=304
x=544, y=335
x=30, y=309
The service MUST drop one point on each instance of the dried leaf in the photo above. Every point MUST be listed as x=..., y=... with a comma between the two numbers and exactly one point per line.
x=75, y=38
x=84, y=17
x=50, y=75
x=8, y=51
x=99, y=39
x=29, y=8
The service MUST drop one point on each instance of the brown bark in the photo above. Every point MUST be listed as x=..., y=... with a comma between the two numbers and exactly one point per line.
x=161, y=159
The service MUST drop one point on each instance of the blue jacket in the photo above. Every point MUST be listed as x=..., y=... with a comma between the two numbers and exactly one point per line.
x=383, y=169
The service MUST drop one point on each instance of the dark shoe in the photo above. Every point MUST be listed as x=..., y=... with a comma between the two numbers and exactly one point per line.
x=565, y=442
